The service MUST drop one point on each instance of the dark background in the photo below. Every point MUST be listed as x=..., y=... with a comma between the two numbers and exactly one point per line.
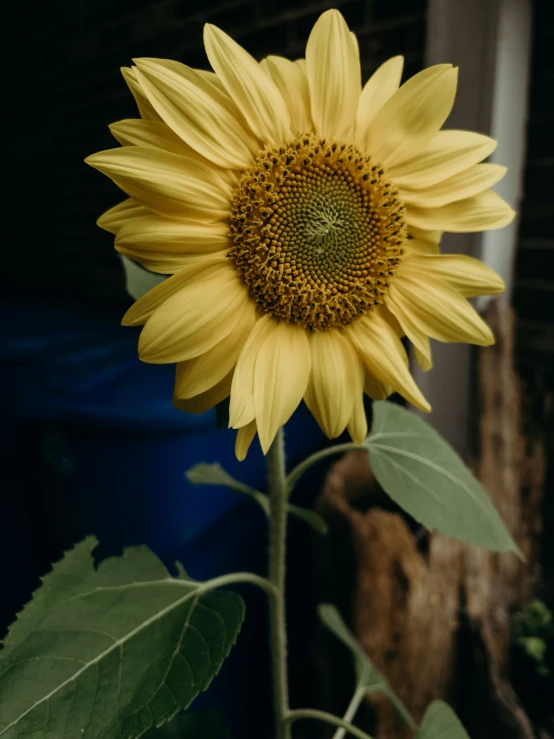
x=65, y=87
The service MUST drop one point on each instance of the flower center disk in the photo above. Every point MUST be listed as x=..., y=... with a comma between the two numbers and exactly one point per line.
x=317, y=232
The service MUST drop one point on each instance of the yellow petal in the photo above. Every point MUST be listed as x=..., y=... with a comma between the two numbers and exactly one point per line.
x=163, y=264
x=414, y=332
x=158, y=135
x=241, y=408
x=245, y=436
x=357, y=424
x=203, y=402
x=382, y=84
x=482, y=212
x=384, y=357
x=470, y=182
x=330, y=391
x=447, y=154
x=334, y=76
x=199, y=374
x=436, y=309
x=376, y=389
x=192, y=107
x=421, y=246
x=214, y=80
x=215, y=84
x=383, y=312
x=182, y=70
x=424, y=358
x=193, y=320
x=257, y=97
x=155, y=234
x=204, y=268
x=420, y=233
x=413, y=115
x=155, y=134
x=169, y=184
x=292, y=82
x=281, y=376
x=115, y=218
x=143, y=104
x=470, y=277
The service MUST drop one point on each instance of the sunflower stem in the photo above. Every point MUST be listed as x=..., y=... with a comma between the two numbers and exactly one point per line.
x=351, y=711
x=277, y=483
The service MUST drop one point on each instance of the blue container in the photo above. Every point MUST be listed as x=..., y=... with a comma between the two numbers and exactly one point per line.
x=116, y=452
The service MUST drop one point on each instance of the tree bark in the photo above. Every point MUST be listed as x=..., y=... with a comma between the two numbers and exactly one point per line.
x=435, y=615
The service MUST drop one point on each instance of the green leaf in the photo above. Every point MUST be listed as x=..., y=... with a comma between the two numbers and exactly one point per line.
x=427, y=478
x=214, y=474
x=368, y=676
x=110, y=652
x=139, y=281
x=440, y=722
x=310, y=517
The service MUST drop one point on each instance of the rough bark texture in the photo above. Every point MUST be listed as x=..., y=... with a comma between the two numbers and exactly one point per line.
x=434, y=614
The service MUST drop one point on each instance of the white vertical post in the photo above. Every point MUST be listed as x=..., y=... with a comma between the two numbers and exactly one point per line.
x=508, y=127
x=490, y=41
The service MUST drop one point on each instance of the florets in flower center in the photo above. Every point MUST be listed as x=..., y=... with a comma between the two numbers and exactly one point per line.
x=317, y=233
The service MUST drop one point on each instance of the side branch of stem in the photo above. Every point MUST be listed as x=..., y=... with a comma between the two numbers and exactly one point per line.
x=235, y=578
x=351, y=711
x=327, y=718
x=299, y=470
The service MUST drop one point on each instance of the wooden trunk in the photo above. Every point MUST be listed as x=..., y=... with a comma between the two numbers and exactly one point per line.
x=435, y=615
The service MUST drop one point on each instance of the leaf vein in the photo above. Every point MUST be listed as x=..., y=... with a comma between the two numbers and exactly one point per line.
x=441, y=470
x=102, y=655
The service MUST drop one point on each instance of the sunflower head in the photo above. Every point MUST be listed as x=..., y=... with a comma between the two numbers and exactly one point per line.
x=299, y=215
x=317, y=232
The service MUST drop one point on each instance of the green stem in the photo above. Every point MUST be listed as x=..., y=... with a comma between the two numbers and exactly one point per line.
x=299, y=470
x=351, y=711
x=277, y=483
x=327, y=718
x=233, y=579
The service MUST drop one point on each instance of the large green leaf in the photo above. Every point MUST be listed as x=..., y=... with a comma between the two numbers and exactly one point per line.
x=427, y=478
x=440, y=722
x=108, y=653
x=368, y=676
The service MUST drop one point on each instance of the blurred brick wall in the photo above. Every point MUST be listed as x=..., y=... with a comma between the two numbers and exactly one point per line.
x=534, y=270
x=534, y=273
x=64, y=88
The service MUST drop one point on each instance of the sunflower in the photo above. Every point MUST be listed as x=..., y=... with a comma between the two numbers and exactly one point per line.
x=299, y=214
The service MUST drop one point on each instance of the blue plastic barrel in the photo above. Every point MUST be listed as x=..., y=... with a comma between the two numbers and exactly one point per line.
x=115, y=451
